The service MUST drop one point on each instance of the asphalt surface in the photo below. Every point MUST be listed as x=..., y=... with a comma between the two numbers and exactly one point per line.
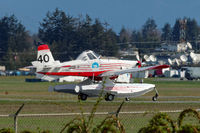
x=93, y=101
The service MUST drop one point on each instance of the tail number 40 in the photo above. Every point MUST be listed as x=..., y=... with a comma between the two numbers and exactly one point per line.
x=44, y=58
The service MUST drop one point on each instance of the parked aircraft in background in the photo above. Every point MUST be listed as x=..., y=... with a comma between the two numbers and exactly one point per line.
x=89, y=64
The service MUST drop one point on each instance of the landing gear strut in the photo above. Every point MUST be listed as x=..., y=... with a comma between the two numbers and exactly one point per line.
x=155, y=98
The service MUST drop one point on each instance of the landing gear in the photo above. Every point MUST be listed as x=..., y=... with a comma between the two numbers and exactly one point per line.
x=109, y=97
x=155, y=98
x=127, y=99
x=82, y=96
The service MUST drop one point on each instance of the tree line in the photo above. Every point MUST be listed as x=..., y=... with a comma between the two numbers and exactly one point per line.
x=68, y=36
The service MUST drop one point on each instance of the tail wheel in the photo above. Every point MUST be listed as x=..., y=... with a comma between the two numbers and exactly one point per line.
x=82, y=96
x=155, y=98
x=109, y=97
x=127, y=99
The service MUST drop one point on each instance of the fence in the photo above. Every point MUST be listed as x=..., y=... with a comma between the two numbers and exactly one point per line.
x=132, y=121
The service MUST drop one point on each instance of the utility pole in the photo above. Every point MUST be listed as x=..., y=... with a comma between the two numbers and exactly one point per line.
x=197, y=43
x=182, y=36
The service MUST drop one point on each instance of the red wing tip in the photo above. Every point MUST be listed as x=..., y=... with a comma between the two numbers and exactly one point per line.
x=166, y=66
x=162, y=66
x=43, y=47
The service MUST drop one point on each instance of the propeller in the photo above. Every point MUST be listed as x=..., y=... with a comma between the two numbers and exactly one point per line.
x=139, y=64
x=140, y=60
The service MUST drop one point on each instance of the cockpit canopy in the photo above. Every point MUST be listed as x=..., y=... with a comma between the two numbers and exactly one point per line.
x=88, y=55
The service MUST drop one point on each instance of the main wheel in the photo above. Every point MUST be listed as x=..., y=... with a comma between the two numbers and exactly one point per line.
x=109, y=97
x=127, y=99
x=82, y=96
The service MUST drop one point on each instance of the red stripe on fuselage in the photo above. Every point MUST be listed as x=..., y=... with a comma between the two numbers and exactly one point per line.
x=112, y=63
x=117, y=65
x=86, y=74
x=67, y=66
x=43, y=47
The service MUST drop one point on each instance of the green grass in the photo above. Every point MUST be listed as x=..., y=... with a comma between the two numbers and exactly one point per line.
x=131, y=122
x=14, y=89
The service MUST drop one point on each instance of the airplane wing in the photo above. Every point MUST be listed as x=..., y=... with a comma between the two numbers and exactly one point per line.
x=29, y=67
x=119, y=72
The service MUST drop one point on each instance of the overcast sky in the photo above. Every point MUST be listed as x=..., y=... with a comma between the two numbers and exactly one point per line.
x=128, y=13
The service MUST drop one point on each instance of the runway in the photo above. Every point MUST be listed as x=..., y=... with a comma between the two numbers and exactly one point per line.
x=88, y=113
x=93, y=101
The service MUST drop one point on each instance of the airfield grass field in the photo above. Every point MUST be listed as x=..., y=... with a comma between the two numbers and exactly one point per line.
x=132, y=123
x=14, y=91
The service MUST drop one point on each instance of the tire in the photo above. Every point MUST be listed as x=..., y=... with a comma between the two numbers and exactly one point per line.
x=154, y=98
x=127, y=99
x=82, y=96
x=109, y=97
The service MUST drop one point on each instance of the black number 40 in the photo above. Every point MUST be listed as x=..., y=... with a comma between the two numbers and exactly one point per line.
x=44, y=58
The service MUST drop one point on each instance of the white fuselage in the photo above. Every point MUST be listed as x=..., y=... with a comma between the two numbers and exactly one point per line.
x=87, y=68
x=87, y=64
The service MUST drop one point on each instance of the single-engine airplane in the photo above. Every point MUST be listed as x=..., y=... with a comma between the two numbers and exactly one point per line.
x=89, y=64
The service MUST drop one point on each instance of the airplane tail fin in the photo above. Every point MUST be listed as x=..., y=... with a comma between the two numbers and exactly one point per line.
x=44, y=58
x=44, y=55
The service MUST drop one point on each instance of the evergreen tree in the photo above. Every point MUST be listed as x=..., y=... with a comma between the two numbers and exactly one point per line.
x=103, y=39
x=150, y=31
x=59, y=29
x=137, y=39
x=176, y=31
x=69, y=36
x=14, y=40
x=192, y=30
x=166, y=33
x=150, y=36
x=133, y=36
x=57, y=26
x=110, y=46
x=124, y=38
x=84, y=32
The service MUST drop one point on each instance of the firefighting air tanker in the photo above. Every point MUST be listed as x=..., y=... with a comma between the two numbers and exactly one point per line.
x=90, y=64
